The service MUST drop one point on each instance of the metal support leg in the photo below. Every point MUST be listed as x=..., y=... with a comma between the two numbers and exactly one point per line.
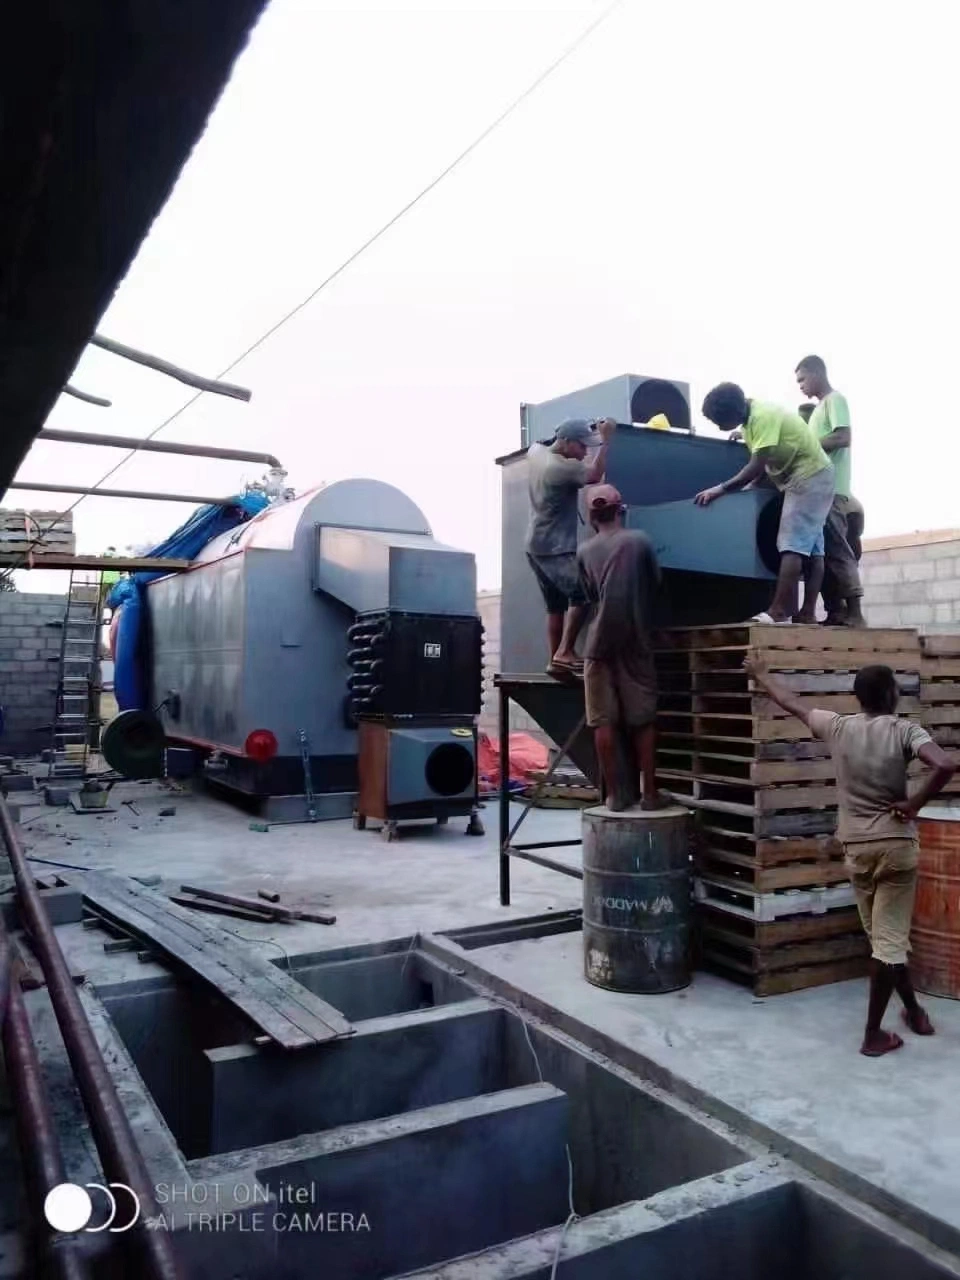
x=504, y=798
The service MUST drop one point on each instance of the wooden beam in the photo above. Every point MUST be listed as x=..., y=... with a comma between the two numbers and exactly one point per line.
x=274, y=1001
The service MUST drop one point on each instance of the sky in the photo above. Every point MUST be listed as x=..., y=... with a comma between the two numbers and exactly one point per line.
x=703, y=192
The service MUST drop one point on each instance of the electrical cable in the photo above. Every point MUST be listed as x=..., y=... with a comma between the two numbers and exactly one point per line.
x=368, y=243
x=572, y=1216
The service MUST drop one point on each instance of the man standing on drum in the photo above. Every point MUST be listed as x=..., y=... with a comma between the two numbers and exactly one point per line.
x=620, y=576
x=876, y=826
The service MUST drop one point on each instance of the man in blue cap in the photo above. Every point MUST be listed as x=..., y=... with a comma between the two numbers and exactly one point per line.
x=557, y=470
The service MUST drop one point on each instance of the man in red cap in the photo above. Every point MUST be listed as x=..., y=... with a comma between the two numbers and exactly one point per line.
x=620, y=576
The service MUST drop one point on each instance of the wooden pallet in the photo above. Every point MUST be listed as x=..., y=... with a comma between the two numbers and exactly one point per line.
x=767, y=934
x=805, y=638
x=794, y=969
x=711, y=860
x=780, y=956
x=736, y=897
x=774, y=904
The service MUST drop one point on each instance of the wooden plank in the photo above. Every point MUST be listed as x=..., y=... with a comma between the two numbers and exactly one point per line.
x=747, y=772
x=768, y=853
x=774, y=799
x=941, y=713
x=762, y=960
x=819, y=975
x=765, y=934
x=216, y=909
x=822, y=660
x=252, y=904
x=758, y=635
x=947, y=646
x=933, y=668
x=791, y=875
x=283, y=1009
x=778, y=984
x=724, y=893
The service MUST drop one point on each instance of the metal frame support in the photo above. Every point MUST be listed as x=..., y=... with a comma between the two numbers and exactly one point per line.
x=119, y=1154
x=195, y=499
x=40, y=1150
x=213, y=385
x=157, y=446
x=508, y=849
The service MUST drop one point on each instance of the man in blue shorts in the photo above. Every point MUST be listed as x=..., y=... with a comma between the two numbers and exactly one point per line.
x=784, y=448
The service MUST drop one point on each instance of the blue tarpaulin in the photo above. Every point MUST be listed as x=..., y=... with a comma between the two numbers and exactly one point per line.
x=131, y=678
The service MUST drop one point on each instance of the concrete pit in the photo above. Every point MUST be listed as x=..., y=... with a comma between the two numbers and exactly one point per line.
x=447, y=1122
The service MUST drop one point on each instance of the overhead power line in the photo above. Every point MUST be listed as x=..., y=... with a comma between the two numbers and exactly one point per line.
x=454, y=164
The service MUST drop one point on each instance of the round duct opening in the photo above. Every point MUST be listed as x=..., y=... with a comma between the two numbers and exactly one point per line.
x=655, y=395
x=133, y=743
x=449, y=769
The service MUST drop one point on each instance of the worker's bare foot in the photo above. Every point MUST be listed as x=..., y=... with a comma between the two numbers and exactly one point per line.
x=877, y=1043
x=855, y=620
x=655, y=802
x=807, y=618
x=918, y=1021
x=835, y=620
x=615, y=803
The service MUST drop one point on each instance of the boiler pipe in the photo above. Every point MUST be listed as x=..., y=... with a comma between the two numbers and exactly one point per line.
x=39, y=1147
x=119, y=1154
x=157, y=446
x=171, y=370
x=196, y=499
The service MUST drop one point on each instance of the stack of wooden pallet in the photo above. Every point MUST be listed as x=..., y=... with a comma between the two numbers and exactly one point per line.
x=940, y=695
x=773, y=902
x=39, y=533
x=562, y=789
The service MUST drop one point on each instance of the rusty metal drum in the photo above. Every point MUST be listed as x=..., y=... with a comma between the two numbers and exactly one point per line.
x=935, y=935
x=636, y=899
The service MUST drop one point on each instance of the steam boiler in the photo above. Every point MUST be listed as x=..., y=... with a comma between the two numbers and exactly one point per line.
x=324, y=619
x=719, y=563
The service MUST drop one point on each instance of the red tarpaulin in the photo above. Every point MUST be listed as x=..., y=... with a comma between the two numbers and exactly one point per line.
x=527, y=756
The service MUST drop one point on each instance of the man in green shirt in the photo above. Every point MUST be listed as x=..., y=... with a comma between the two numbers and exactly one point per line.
x=830, y=422
x=782, y=446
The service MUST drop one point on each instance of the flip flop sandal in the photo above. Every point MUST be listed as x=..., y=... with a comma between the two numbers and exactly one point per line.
x=771, y=622
x=565, y=671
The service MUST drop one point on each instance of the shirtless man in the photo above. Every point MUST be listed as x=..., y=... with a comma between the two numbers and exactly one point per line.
x=620, y=576
x=877, y=827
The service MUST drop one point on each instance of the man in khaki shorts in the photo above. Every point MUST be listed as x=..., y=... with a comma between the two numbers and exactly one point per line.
x=876, y=826
x=620, y=577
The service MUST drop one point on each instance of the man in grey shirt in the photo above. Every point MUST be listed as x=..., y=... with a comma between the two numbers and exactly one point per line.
x=557, y=471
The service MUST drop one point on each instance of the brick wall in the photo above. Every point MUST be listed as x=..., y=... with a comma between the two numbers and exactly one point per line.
x=913, y=582
x=30, y=631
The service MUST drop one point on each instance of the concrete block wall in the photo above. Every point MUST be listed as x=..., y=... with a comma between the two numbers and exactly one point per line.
x=30, y=640
x=913, y=581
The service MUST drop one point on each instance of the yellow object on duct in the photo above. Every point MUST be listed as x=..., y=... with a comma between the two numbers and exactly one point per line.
x=660, y=421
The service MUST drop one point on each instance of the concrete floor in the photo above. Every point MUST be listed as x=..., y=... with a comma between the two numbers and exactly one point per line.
x=788, y=1064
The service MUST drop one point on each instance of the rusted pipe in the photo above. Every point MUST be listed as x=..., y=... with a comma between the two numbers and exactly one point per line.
x=157, y=446
x=119, y=1154
x=39, y=1146
x=86, y=397
x=196, y=380
x=196, y=499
